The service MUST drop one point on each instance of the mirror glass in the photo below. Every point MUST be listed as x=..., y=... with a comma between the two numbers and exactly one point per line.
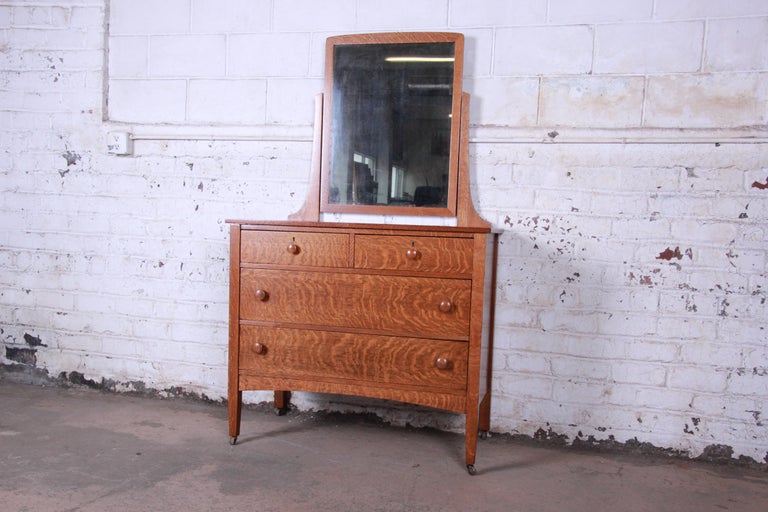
x=390, y=124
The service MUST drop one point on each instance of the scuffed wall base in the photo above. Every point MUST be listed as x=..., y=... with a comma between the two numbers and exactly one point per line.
x=391, y=414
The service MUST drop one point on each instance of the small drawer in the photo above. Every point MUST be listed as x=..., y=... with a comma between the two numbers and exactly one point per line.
x=417, y=253
x=323, y=355
x=295, y=248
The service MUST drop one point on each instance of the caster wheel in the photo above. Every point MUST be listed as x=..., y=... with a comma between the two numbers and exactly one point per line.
x=280, y=412
x=483, y=435
x=233, y=440
x=471, y=469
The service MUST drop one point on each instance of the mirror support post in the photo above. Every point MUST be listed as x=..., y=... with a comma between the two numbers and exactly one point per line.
x=466, y=215
x=310, y=211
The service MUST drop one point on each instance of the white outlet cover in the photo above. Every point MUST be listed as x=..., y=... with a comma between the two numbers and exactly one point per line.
x=119, y=143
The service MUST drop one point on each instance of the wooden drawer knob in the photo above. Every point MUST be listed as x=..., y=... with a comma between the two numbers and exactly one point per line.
x=293, y=248
x=261, y=295
x=412, y=254
x=446, y=306
x=259, y=348
x=441, y=363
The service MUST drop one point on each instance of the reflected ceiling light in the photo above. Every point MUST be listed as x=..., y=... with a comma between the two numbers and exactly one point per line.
x=429, y=86
x=418, y=58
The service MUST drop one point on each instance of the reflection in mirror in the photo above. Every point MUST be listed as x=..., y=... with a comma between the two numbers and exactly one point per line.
x=392, y=107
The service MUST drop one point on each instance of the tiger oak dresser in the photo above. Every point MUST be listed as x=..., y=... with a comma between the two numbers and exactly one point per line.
x=393, y=311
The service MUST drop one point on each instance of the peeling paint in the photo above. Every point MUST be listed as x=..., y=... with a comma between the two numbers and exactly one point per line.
x=33, y=341
x=26, y=356
x=717, y=453
x=71, y=157
x=756, y=415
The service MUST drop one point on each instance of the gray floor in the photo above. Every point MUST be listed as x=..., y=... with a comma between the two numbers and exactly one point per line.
x=82, y=450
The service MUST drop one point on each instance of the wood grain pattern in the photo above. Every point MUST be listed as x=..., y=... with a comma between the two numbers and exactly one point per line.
x=448, y=401
x=306, y=354
x=395, y=305
x=432, y=254
x=312, y=249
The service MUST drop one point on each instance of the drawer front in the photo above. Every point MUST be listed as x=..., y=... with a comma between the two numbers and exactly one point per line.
x=294, y=248
x=322, y=355
x=407, y=306
x=417, y=253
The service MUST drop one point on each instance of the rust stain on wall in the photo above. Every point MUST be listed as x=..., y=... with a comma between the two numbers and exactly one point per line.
x=668, y=254
x=760, y=186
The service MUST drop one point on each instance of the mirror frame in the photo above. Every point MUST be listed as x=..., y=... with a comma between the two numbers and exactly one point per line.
x=450, y=210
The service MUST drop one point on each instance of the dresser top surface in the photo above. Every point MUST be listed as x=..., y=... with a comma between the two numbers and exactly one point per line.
x=256, y=224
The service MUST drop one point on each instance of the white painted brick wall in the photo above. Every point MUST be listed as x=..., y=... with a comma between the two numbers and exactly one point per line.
x=632, y=277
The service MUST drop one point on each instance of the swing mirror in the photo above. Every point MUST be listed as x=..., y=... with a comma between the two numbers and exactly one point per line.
x=390, y=130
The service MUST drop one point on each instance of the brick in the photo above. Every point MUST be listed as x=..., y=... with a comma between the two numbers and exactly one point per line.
x=589, y=11
x=704, y=231
x=128, y=57
x=292, y=102
x=527, y=386
x=686, y=328
x=649, y=47
x=573, y=392
x=5, y=16
x=737, y=45
x=310, y=15
x=641, y=229
x=581, y=368
x=232, y=16
x=227, y=101
x=403, y=15
x=709, y=100
x=709, y=8
x=147, y=101
x=525, y=362
x=604, y=102
x=469, y=13
x=134, y=17
x=649, y=179
x=702, y=379
x=85, y=17
x=263, y=55
x=745, y=382
x=478, y=53
x=567, y=321
x=543, y=50
x=187, y=56
x=623, y=324
x=32, y=16
x=506, y=101
x=639, y=373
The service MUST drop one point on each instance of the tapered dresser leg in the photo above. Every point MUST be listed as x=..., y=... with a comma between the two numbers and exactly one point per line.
x=281, y=402
x=234, y=407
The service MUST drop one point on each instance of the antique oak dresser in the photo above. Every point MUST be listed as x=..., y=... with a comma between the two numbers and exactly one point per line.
x=387, y=311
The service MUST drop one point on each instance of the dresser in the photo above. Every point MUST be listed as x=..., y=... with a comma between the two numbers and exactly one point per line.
x=383, y=311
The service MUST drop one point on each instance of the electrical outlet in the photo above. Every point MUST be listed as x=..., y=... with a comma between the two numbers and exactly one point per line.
x=119, y=143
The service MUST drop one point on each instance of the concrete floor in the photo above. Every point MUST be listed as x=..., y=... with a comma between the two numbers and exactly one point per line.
x=83, y=450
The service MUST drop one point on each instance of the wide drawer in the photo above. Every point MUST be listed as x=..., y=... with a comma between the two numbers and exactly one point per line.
x=294, y=248
x=408, y=306
x=311, y=354
x=416, y=253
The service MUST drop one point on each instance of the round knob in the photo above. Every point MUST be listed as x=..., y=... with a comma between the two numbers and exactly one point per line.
x=261, y=295
x=258, y=348
x=293, y=248
x=412, y=254
x=446, y=306
x=441, y=363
